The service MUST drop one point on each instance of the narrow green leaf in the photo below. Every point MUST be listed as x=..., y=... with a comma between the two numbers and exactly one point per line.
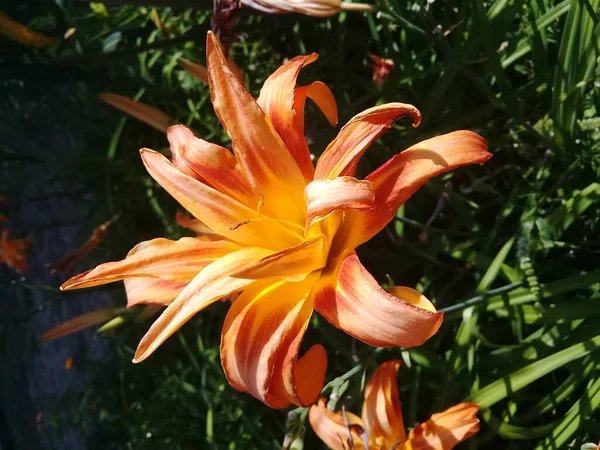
x=495, y=267
x=502, y=388
x=579, y=412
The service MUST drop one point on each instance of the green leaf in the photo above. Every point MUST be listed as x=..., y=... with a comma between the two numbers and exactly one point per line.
x=495, y=267
x=502, y=388
x=579, y=412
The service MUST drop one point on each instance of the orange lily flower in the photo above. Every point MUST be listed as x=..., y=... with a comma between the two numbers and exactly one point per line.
x=13, y=252
x=286, y=232
x=317, y=8
x=381, y=426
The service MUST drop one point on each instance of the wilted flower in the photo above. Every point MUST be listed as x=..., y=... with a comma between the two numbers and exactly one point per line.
x=67, y=263
x=13, y=252
x=318, y=8
x=141, y=111
x=381, y=426
x=381, y=68
x=20, y=33
x=286, y=232
x=81, y=322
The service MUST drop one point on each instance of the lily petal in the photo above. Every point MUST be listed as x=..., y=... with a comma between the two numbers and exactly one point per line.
x=260, y=343
x=292, y=264
x=324, y=196
x=263, y=156
x=319, y=93
x=178, y=261
x=331, y=427
x=152, y=291
x=446, y=429
x=351, y=300
x=211, y=284
x=284, y=103
x=211, y=164
x=398, y=179
x=381, y=411
x=342, y=155
x=201, y=72
x=218, y=211
x=412, y=296
x=141, y=111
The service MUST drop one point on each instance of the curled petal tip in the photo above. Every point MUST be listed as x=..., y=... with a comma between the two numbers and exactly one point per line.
x=416, y=117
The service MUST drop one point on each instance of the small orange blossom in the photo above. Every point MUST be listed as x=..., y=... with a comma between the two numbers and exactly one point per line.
x=381, y=426
x=284, y=232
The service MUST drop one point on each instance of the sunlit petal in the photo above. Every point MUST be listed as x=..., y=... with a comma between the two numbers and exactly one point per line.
x=331, y=427
x=152, y=291
x=263, y=156
x=284, y=103
x=218, y=211
x=320, y=93
x=381, y=411
x=412, y=296
x=342, y=155
x=211, y=284
x=446, y=429
x=399, y=178
x=341, y=193
x=201, y=72
x=351, y=300
x=260, y=343
x=292, y=264
x=211, y=164
x=159, y=258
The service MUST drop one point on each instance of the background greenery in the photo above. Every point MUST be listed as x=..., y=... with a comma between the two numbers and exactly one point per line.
x=509, y=250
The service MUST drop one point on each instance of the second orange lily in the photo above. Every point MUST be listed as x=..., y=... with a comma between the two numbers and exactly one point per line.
x=286, y=232
x=381, y=426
